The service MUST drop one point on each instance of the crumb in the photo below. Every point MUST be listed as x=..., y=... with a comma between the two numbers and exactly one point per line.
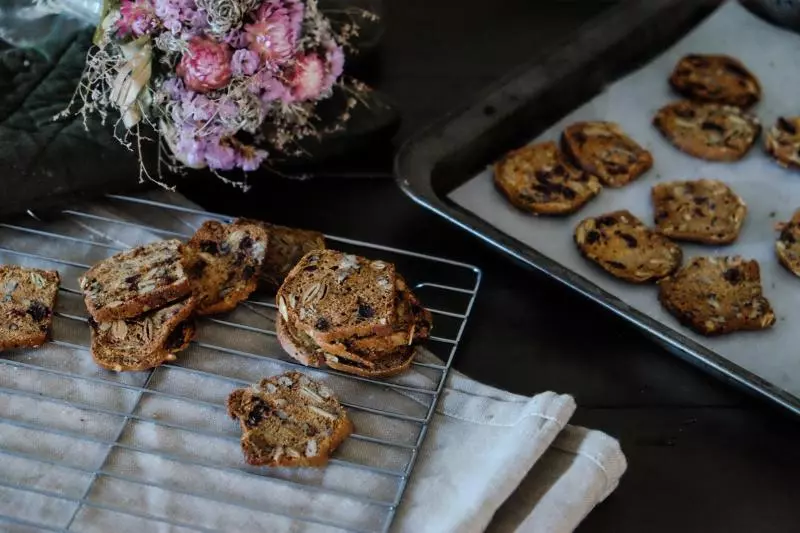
x=772, y=214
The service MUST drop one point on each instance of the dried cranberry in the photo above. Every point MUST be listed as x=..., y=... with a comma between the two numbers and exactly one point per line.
x=592, y=237
x=581, y=137
x=322, y=324
x=177, y=337
x=248, y=272
x=246, y=243
x=615, y=264
x=209, y=247
x=684, y=112
x=195, y=270
x=133, y=281
x=239, y=259
x=616, y=168
x=630, y=240
x=365, y=310
x=787, y=126
x=735, y=69
x=38, y=311
x=786, y=235
x=733, y=276
x=258, y=413
x=606, y=221
x=712, y=126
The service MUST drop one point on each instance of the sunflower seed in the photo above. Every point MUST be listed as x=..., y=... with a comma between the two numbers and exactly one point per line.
x=322, y=412
x=291, y=452
x=119, y=330
x=147, y=330
x=277, y=454
x=314, y=293
x=10, y=286
x=285, y=382
x=282, y=308
x=377, y=265
x=311, y=395
x=37, y=280
x=311, y=448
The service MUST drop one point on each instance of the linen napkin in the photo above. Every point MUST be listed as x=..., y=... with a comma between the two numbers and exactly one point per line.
x=490, y=459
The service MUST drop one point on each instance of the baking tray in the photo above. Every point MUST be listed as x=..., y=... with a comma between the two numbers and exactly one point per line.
x=446, y=157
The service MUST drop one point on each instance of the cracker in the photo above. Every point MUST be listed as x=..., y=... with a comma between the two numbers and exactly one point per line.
x=135, y=281
x=289, y=420
x=223, y=262
x=717, y=295
x=625, y=247
x=715, y=78
x=708, y=131
x=27, y=300
x=782, y=142
x=602, y=149
x=787, y=246
x=538, y=179
x=705, y=211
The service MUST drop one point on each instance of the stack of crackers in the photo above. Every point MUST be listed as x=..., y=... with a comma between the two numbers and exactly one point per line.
x=350, y=313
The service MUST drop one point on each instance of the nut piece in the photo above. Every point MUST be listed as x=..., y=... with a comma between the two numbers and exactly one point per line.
x=119, y=330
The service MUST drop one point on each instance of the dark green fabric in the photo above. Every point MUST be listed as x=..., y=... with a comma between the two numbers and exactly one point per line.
x=42, y=160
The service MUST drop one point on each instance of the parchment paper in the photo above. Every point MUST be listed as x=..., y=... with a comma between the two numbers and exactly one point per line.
x=771, y=193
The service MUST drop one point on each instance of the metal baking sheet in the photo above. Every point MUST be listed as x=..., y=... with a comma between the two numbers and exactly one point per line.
x=767, y=362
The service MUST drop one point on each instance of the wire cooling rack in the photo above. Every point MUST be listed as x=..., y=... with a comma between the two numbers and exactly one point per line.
x=83, y=449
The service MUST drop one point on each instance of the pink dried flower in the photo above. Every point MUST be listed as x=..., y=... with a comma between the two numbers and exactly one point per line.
x=250, y=158
x=334, y=59
x=198, y=107
x=191, y=151
x=236, y=38
x=220, y=155
x=293, y=9
x=272, y=36
x=137, y=18
x=308, y=77
x=245, y=62
x=177, y=14
x=273, y=89
x=206, y=66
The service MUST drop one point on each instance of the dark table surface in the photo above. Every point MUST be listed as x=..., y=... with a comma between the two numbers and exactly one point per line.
x=702, y=456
